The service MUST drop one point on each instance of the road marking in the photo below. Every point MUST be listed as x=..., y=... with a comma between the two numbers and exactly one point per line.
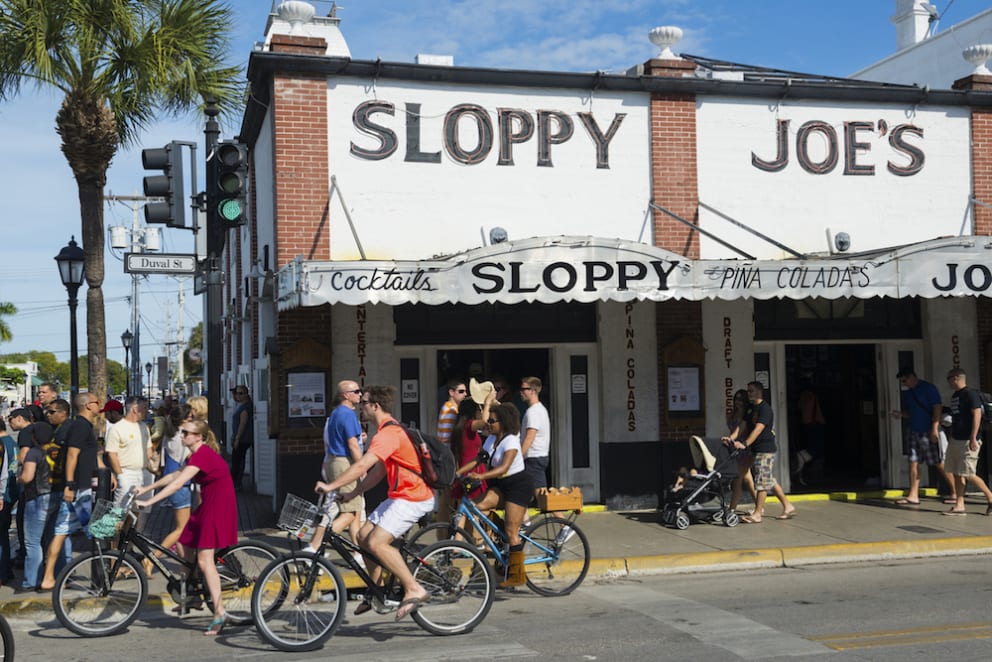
x=924, y=635
x=741, y=636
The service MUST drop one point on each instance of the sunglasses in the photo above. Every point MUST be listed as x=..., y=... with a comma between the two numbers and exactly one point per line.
x=492, y=421
x=188, y=432
x=357, y=390
x=526, y=388
x=462, y=391
x=49, y=412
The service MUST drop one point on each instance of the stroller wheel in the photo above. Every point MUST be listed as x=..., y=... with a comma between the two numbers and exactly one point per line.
x=731, y=518
x=682, y=522
x=717, y=516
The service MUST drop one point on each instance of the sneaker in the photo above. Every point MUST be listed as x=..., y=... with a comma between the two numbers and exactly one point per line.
x=564, y=535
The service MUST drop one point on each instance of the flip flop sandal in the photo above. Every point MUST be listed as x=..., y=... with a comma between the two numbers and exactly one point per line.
x=906, y=502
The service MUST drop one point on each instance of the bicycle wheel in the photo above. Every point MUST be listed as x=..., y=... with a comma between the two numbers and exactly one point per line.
x=6, y=641
x=239, y=566
x=298, y=602
x=90, y=602
x=556, y=556
x=461, y=587
x=433, y=533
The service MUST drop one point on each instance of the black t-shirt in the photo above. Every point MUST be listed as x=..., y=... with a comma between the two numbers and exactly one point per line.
x=36, y=433
x=762, y=413
x=963, y=404
x=82, y=436
x=42, y=482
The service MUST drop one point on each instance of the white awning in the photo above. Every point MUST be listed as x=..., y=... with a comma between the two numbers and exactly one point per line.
x=588, y=269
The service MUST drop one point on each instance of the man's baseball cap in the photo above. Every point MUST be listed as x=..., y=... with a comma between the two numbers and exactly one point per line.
x=113, y=405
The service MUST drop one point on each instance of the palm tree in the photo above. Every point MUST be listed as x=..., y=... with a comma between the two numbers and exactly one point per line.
x=6, y=309
x=118, y=64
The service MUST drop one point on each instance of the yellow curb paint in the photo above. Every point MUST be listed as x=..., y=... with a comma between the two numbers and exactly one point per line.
x=794, y=556
x=726, y=559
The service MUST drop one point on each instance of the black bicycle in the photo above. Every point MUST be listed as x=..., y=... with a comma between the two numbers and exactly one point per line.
x=300, y=598
x=6, y=641
x=100, y=593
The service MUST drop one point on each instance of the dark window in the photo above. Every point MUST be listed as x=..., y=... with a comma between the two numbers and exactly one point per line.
x=837, y=319
x=494, y=323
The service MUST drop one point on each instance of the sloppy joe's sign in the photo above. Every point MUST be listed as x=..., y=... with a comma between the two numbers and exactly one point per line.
x=588, y=269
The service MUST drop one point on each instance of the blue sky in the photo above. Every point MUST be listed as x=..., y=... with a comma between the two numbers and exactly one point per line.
x=40, y=207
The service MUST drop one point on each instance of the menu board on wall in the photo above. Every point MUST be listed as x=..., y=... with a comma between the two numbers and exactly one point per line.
x=307, y=395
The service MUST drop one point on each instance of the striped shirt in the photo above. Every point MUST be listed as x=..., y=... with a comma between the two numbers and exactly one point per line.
x=446, y=421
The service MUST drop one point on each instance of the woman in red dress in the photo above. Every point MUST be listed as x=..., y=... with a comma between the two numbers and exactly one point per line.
x=214, y=524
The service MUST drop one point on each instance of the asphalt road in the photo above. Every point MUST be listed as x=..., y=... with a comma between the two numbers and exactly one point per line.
x=933, y=609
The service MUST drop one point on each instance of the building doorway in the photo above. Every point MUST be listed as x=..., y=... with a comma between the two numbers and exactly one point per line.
x=843, y=379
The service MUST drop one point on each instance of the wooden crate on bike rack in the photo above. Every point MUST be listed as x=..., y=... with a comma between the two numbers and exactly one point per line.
x=559, y=498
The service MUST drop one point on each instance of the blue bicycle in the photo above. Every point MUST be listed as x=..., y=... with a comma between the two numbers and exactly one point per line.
x=556, y=551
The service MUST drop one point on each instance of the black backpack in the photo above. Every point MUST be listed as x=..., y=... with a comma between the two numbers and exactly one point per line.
x=437, y=462
x=986, y=400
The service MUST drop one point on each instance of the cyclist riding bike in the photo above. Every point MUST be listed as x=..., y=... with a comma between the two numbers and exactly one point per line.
x=391, y=455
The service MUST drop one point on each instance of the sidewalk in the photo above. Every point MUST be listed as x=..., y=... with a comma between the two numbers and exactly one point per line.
x=828, y=528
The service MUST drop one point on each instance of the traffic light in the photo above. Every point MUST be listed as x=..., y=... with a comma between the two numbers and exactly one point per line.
x=168, y=185
x=231, y=197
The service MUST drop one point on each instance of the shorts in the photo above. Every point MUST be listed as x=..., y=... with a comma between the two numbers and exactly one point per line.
x=537, y=467
x=181, y=498
x=75, y=517
x=763, y=465
x=961, y=460
x=922, y=449
x=129, y=478
x=396, y=516
x=517, y=488
x=333, y=467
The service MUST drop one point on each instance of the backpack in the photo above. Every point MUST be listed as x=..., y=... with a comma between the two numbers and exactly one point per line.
x=437, y=462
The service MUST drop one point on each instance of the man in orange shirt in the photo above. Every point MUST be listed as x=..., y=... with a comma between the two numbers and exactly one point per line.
x=391, y=455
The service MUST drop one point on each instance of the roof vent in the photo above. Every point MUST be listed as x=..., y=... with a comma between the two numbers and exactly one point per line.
x=977, y=56
x=436, y=60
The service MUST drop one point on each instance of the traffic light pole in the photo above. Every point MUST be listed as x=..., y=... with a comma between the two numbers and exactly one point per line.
x=213, y=277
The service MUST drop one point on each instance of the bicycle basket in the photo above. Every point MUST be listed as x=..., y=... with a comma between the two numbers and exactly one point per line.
x=297, y=516
x=106, y=520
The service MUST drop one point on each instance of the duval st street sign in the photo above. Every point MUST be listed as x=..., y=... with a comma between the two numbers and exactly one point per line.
x=159, y=263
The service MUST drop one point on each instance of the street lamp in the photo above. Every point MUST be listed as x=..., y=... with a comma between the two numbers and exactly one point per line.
x=126, y=339
x=70, y=261
x=148, y=369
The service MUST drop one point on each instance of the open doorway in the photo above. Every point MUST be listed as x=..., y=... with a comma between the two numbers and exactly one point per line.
x=509, y=365
x=844, y=451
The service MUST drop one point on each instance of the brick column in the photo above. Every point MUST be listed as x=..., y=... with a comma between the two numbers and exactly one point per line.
x=981, y=186
x=674, y=182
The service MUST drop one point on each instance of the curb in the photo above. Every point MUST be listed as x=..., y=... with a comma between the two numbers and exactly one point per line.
x=787, y=557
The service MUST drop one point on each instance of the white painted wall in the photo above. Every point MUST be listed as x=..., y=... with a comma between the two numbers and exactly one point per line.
x=410, y=210
x=375, y=337
x=795, y=207
x=728, y=336
x=628, y=359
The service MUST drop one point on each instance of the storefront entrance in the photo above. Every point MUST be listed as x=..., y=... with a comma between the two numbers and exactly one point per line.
x=845, y=450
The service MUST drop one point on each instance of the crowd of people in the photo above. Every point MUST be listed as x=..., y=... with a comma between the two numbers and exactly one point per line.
x=506, y=458
x=52, y=468
x=946, y=438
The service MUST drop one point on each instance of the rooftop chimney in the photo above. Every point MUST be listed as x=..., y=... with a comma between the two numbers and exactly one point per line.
x=912, y=21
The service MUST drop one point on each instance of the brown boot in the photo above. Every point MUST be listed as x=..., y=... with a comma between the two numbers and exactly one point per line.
x=515, y=575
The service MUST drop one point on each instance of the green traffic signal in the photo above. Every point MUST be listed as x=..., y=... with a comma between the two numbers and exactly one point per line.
x=231, y=162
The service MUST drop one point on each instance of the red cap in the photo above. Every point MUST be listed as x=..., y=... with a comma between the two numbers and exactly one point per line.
x=113, y=405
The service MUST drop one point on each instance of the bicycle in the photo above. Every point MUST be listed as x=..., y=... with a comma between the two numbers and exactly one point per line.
x=100, y=592
x=6, y=641
x=299, y=599
x=556, y=551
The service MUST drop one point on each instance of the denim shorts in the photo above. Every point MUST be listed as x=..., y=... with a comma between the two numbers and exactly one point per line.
x=75, y=517
x=181, y=498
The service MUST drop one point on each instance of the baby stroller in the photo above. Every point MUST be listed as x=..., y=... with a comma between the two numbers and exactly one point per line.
x=703, y=495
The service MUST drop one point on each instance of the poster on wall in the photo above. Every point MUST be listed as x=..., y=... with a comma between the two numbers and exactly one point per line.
x=307, y=395
x=683, y=389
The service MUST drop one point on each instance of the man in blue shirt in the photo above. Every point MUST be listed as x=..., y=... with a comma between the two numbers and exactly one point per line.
x=342, y=448
x=920, y=402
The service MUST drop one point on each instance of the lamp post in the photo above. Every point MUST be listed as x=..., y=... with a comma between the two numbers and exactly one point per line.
x=126, y=339
x=148, y=369
x=70, y=261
